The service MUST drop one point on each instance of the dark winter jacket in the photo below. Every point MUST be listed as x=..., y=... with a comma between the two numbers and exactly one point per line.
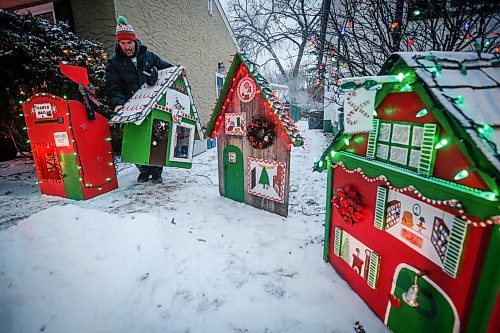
x=123, y=79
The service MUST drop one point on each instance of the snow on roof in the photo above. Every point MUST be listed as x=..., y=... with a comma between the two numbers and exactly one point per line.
x=139, y=106
x=467, y=84
x=281, y=115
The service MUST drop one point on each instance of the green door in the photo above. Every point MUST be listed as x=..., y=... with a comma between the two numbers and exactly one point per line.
x=434, y=313
x=233, y=173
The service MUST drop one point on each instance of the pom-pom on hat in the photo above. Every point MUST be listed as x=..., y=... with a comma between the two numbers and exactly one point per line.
x=124, y=31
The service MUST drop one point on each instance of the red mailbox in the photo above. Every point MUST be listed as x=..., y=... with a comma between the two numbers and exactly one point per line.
x=72, y=155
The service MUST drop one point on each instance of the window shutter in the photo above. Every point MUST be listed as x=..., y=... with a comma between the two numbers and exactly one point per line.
x=372, y=140
x=337, y=243
x=381, y=207
x=373, y=269
x=427, y=150
x=455, y=247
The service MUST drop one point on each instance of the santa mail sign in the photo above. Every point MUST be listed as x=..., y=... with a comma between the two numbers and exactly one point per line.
x=246, y=89
x=44, y=110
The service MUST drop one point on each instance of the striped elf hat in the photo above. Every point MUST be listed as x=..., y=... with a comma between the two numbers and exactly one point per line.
x=124, y=31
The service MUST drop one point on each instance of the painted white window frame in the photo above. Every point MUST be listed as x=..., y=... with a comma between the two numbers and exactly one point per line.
x=190, y=147
x=393, y=145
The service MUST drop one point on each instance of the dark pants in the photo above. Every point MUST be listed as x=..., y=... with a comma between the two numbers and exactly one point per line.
x=154, y=171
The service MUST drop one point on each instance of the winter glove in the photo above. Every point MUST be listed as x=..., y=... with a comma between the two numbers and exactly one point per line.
x=150, y=76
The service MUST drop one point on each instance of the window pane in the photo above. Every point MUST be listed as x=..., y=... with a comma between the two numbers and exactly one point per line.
x=181, y=149
x=401, y=134
x=384, y=133
x=416, y=139
x=414, y=158
x=219, y=82
x=383, y=151
x=399, y=155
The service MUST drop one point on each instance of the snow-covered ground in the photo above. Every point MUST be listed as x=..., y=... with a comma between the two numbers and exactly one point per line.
x=174, y=257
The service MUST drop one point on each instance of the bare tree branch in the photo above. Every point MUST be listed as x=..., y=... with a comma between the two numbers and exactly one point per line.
x=278, y=30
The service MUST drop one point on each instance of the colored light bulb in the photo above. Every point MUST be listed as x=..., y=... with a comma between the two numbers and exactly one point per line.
x=421, y=113
x=462, y=174
x=441, y=143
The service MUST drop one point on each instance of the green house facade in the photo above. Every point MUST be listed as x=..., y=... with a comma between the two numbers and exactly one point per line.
x=160, y=122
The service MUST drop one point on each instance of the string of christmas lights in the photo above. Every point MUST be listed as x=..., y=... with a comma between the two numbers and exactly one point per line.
x=453, y=203
x=482, y=41
x=458, y=101
x=81, y=170
x=290, y=132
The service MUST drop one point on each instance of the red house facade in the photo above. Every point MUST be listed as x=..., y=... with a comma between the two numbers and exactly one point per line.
x=413, y=208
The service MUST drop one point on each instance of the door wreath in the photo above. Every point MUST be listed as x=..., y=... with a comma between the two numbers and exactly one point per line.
x=260, y=133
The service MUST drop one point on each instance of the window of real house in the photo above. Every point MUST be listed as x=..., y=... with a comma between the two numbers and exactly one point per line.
x=219, y=82
x=400, y=143
x=44, y=11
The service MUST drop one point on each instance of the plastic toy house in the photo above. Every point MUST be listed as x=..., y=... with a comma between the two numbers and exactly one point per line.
x=72, y=154
x=160, y=122
x=412, y=219
x=255, y=135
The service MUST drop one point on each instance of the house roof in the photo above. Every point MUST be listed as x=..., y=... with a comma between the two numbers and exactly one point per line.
x=467, y=85
x=279, y=112
x=139, y=106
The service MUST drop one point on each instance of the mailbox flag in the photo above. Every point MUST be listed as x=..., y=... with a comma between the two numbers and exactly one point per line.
x=75, y=73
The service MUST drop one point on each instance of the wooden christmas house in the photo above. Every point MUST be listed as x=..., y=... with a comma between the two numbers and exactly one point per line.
x=255, y=135
x=72, y=154
x=161, y=122
x=413, y=215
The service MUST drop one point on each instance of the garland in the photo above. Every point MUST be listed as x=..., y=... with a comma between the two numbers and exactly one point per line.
x=348, y=203
x=260, y=133
x=410, y=188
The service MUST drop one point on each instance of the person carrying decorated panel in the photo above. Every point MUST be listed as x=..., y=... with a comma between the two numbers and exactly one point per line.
x=131, y=66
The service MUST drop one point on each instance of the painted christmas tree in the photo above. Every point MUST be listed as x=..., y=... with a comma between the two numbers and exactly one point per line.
x=346, y=251
x=264, y=178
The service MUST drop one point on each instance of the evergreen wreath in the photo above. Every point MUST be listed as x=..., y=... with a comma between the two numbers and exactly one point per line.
x=260, y=133
x=348, y=203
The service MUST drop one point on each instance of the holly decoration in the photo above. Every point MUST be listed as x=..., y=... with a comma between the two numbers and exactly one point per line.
x=260, y=133
x=348, y=203
x=160, y=130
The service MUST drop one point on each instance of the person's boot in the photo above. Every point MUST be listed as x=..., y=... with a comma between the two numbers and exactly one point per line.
x=157, y=180
x=156, y=174
x=143, y=177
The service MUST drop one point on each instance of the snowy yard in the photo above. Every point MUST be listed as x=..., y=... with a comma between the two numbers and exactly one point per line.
x=174, y=257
